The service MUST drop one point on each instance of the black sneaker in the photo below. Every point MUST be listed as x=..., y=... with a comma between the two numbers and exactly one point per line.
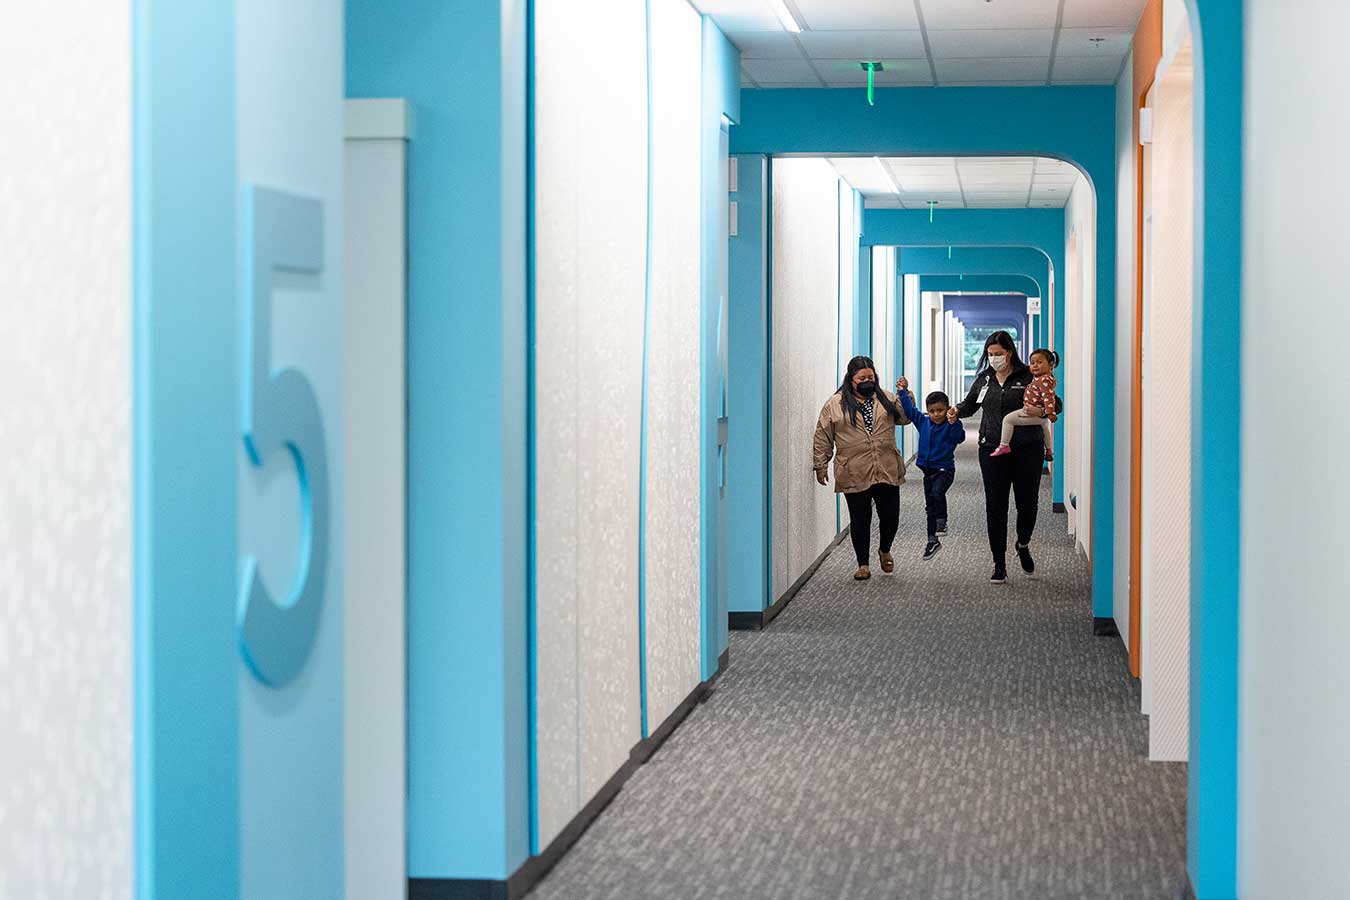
x=1024, y=556
x=941, y=527
x=931, y=549
x=1000, y=575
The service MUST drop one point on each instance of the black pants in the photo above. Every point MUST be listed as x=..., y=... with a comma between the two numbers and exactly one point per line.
x=936, y=483
x=1019, y=470
x=887, y=499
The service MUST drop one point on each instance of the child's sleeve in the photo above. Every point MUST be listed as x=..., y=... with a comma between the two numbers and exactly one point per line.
x=911, y=411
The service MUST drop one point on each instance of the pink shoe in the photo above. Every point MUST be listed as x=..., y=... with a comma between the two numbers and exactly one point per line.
x=1003, y=450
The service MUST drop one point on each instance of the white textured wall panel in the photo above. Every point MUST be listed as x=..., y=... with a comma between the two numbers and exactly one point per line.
x=1167, y=416
x=1126, y=211
x=1076, y=377
x=590, y=245
x=1294, y=678
x=912, y=308
x=805, y=357
x=673, y=376
x=65, y=451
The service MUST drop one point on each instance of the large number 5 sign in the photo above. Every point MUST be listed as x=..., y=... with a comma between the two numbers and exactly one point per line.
x=282, y=233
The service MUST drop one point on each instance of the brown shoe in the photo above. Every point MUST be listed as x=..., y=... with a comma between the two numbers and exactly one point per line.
x=887, y=563
x=862, y=574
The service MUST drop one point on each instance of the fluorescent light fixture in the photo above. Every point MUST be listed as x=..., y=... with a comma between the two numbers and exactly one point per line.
x=785, y=16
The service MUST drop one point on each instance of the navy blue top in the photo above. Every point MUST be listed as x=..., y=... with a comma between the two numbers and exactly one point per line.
x=937, y=443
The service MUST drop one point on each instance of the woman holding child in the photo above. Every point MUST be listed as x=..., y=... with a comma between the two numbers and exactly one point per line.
x=1012, y=453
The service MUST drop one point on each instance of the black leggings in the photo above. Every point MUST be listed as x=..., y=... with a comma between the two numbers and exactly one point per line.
x=1019, y=470
x=887, y=499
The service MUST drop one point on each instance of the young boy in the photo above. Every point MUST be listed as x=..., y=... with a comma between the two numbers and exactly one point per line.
x=937, y=457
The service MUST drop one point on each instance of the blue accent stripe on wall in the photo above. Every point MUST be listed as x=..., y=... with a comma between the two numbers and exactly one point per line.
x=642, y=419
x=531, y=436
x=1212, y=810
x=185, y=450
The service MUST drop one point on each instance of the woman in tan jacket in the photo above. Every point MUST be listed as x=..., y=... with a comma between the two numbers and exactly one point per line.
x=857, y=428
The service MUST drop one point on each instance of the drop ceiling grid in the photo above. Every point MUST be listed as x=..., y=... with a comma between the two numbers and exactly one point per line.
x=936, y=42
x=963, y=182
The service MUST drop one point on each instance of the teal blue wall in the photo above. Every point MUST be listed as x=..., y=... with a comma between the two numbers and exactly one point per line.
x=468, y=801
x=721, y=97
x=1211, y=833
x=748, y=404
x=1074, y=123
x=186, y=447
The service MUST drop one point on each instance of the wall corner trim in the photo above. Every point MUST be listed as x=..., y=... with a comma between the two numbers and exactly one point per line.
x=379, y=119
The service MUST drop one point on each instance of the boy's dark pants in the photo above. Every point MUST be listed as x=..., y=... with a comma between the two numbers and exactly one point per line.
x=935, y=485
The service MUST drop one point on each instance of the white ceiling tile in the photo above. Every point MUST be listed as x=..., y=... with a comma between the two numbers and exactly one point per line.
x=1114, y=42
x=991, y=71
x=1014, y=203
x=927, y=182
x=1055, y=182
x=882, y=203
x=996, y=196
x=789, y=84
x=780, y=71
x=1102, y=13
x=991, y=43
x=766, y=45
x=864, y=173
x=1086, y=69
x=1026, y=82
x=862, y=15
x=894, y=73
x=919, y=164
x=740, y=15
x=1046, y=165
x=983, y=14
x=864, y=45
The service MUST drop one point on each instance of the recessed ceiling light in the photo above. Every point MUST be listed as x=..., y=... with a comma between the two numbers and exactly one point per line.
x=785, y=16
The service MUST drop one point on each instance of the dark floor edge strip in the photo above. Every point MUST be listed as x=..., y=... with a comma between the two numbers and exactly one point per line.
x=533, y=870
x=1104, y=627
x=757, y=621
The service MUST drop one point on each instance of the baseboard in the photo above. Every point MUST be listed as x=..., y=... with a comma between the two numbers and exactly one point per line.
x=756, y=621
x=533, y=870
x=1104, y=627
x=1060, y=508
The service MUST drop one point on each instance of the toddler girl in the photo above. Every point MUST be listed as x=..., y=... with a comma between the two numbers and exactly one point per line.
x=1040, y=394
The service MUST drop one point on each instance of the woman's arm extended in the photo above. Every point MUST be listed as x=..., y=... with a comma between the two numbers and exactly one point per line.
x=966, y=408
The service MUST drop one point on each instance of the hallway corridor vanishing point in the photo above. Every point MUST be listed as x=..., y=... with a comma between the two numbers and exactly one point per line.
x=925, y=735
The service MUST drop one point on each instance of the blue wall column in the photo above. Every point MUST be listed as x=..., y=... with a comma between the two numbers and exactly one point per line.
x=463, y=68
x=748, y=404
x=721, y=98
x=185, y=451
x=1211, y=827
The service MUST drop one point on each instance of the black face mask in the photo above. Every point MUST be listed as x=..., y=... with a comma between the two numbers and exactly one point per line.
x=866, y=388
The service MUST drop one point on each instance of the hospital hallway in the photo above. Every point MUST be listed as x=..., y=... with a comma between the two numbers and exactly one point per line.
x=920, y=735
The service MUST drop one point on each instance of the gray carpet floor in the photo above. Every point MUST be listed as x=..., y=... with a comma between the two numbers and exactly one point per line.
x=924, y=735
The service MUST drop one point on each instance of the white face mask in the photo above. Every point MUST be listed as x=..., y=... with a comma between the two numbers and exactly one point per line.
x=998, y=362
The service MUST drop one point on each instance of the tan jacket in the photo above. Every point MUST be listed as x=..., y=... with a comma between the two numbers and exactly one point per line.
x=860, y=459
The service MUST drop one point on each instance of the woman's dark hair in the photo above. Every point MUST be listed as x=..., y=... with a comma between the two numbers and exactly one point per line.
x=1050, y=356
x=1004, y=340
x=850, y=401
